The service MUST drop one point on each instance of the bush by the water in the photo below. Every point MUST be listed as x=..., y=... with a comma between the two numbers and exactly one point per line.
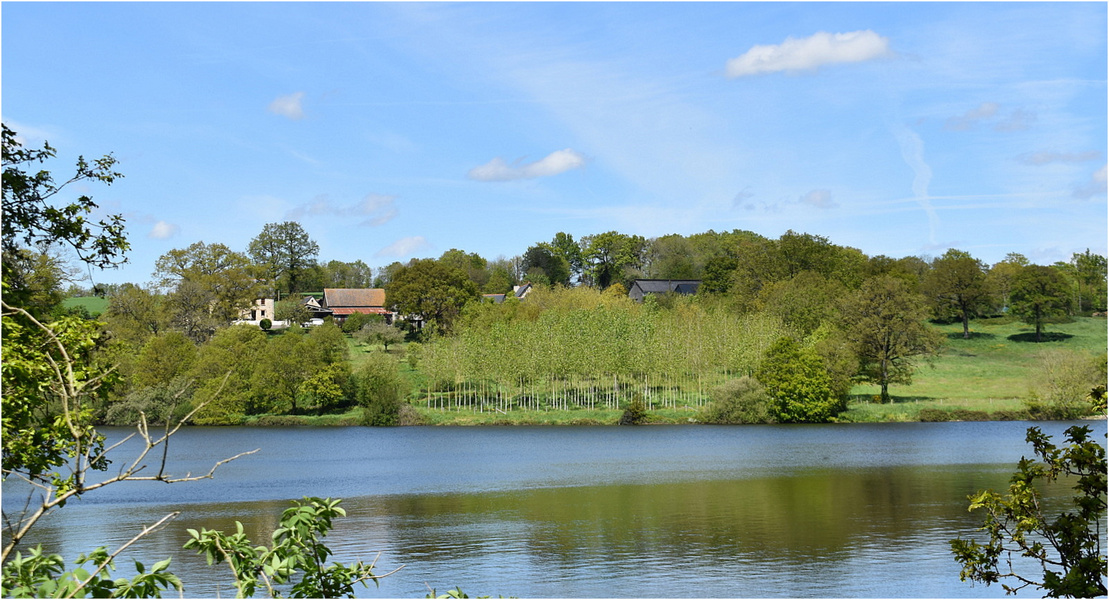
x=379, y=390
x=739, y=401
x=1063, y=385
x=635, y=412
x=936, y=415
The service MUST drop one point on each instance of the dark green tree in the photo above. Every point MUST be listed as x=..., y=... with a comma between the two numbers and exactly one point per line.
x=612, y=257
x=541, y=259
x=285, y=252
x=1038, y=294
x=885, y=323
x=1066, y=543
x=956, y=285
x=430, y=291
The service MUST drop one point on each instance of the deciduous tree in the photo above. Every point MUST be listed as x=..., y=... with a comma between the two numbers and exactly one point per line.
x=213, y=271
x=885, y=323
x=431, y=291
x=1038, y=294
x=956, y=284
x=797, y=384
x=285, y=251
x=32, y=217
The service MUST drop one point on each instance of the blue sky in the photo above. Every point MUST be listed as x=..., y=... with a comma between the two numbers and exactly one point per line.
x=400, y=130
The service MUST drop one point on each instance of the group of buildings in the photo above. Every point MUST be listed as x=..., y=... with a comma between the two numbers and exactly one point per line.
x=340, y=303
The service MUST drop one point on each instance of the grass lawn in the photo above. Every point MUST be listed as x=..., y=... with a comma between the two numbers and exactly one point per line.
x=991, y=371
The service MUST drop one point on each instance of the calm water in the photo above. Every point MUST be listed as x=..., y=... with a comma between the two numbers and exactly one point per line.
x=659, y=511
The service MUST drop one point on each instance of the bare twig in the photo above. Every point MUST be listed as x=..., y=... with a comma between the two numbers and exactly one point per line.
x=145, y=531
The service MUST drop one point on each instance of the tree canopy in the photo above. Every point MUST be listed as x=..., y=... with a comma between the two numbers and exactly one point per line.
x=285, y=251
x=956, y=284
x=431, y=291
x=885, y=323
x=1038, y=293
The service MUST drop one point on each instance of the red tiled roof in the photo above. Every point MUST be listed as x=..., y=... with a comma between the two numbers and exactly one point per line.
x=364, y=310
x=336, y=297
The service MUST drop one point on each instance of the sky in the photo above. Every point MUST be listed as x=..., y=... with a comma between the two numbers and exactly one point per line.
x=393, y=131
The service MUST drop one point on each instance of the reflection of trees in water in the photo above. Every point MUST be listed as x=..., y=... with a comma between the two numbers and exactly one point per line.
x=791, y=518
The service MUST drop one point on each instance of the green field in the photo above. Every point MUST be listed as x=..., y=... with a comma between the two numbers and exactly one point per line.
x=991, y=371
x=94, y=304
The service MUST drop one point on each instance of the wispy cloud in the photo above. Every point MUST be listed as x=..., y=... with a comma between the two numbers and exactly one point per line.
x=1096, y=186
x=970, y=118
x=811, y=53
x=163, y=230
x=553, y=164
x=1018, y=121
x=375, y=209
x=404, y=247
x=912, y=152
x=290, y=106
x=819, y=198
x=742, y=199
x=1047, y=158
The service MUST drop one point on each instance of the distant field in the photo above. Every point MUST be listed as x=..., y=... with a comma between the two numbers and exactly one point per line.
x=991, y=371
x=93, y=304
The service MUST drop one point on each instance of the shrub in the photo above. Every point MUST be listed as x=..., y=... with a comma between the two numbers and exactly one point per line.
x=742, y=400
x=354, y=322
x=797, y=384
x=379, y=389
x=1063, y=384
x=162, y=403
x=635, y=412
x=265, y=324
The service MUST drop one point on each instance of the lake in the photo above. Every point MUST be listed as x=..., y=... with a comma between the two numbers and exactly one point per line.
x=859, y=510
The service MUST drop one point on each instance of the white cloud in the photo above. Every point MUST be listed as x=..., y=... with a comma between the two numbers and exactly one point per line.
x=1096, y=186
x=553, y=164
x=1046, y=158
x=163, y=231
x=288, y=106
x=819, y=198
x=968, y=119
x=376, y=209
x=810, y=53
x=404, y=247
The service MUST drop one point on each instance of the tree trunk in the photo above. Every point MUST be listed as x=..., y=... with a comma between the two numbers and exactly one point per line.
x=966, y=326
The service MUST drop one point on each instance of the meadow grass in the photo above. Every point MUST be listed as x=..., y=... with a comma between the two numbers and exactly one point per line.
x=992, y=371
x=94, y=304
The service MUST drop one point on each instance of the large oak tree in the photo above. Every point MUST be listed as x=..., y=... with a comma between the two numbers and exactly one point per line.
x=285, y=251
x=885, y=322
x=956, y=284
x=431, y=291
